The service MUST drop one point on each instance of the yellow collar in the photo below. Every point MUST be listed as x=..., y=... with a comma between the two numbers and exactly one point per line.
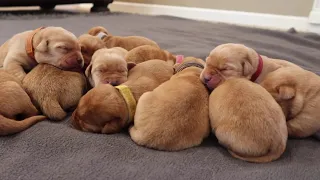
x=130, y=101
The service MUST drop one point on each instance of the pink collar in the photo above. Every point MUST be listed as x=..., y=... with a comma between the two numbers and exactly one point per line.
x=255, y=76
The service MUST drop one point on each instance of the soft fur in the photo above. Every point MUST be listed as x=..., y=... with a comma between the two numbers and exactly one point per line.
x=247, y=121
x=128, y=42
x=15, y=104
x=52, y=45
x=89, y=45
x=175, y=115
x=104, y=110
x=298, y=93
x=147, y=52
x=54, y=91
x=108, y=66
x=236, y=60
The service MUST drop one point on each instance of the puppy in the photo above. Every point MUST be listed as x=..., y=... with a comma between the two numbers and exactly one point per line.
x=298, y=93
x=247, y=121
x=175, y=115
x=127, y=43
x=50, y=45
x=108, y=66
x=147, y=52
x=108, y=109
x=237, y=60
x=89, y=44
x=54, y=91
x=15, y=104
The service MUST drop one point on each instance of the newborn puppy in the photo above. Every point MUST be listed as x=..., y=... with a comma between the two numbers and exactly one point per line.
x=237, y=60
x=298, y=93
x=15, y=104
x=89, y=44
x=175, y=115
x=108, y=66
x=54, y=91
x=147, y=52
x=50, y=45
x=127, y=43
x=247, y=121
x=108, y=109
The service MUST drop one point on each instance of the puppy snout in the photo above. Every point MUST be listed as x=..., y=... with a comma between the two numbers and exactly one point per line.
x=206, y=79
x=114, y=83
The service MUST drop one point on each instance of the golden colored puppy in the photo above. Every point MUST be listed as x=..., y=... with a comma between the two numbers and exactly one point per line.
x=50, y=45
x=147, y=52
x=54, y=91
x=89, y=44
x=175, y=115
x=108, y=109
x=236, y=60
x=247, y=121
x=15, y=104
x=128, y=42
x=108, y=66
x=298, y=93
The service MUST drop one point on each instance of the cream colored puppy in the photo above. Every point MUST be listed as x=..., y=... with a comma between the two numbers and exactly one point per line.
x=50, y=45
x=174, y=116
x=236, y=60
x=298, y=93
x=108, y=66
x=247, y=121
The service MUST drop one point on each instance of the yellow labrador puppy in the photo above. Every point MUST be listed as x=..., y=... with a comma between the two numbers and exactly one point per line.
x=108, y=66
x=298, y=93
x=175, y=115
x=54, y=91
x=50, y=45
x=237, y=60
x=247, y=121
x=15, y=104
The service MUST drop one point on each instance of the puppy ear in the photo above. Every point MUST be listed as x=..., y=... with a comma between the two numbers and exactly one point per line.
x=43, y=46
x=247, y=68
x=88, y=72
x=286, y=92
x=130, y=65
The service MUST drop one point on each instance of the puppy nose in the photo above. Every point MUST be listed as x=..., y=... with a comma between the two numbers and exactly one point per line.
x=114, y=83
x=207, y=79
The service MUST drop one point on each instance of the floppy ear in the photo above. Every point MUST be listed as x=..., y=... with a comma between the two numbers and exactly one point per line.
x=247, y=68
x=286, y=92
x=130, y=65
x=42, y=46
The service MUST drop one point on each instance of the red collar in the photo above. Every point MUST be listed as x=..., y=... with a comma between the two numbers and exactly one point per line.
x=29, y=43
x=255, y=76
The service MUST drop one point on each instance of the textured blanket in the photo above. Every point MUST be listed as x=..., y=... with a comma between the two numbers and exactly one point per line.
x=51, y=150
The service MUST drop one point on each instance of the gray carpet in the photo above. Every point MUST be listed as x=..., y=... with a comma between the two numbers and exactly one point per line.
x=55, y=151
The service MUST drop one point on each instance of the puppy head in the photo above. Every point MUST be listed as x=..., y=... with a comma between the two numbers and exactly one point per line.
x=95, y=30
x=58, y=47
x=108, y=67
x=89, y=44
x=227, y=61
x=101, y=110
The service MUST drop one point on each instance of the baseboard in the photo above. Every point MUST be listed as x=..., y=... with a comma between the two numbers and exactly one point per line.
x=269, y=21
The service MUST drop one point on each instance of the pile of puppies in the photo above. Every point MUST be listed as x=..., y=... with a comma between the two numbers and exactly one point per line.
x=250, y=102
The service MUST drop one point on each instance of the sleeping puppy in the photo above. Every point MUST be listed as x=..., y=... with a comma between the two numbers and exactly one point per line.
x=15, y=104
x=247, y=121
x=128, y=42
x=108, y=66
x=175, y=115
x=237, y=60
x=147, y=52
x=298, y=93
x=89, y=44
x=54, y=91
x=108, y=109
x=50, y=45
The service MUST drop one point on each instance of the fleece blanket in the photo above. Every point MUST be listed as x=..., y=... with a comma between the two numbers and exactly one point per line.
x=51, y=150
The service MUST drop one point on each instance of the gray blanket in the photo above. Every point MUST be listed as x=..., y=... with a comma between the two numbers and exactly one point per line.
x=51, y=150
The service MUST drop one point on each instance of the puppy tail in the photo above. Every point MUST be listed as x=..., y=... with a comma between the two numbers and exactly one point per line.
x=10, y=126
x=53, y=110
x=274, y=153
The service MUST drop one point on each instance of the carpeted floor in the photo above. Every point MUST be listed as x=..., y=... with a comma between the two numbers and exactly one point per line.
x=51, y=150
